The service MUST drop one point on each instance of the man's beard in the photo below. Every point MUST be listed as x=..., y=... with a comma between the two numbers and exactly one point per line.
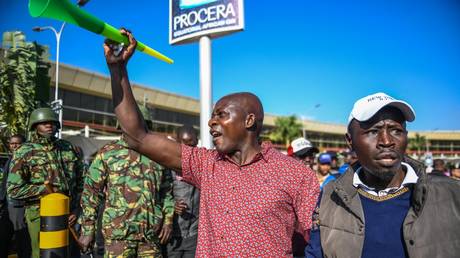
x=385, y=175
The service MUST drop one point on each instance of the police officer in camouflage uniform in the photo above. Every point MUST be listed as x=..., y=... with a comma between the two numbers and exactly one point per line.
x=138, y=208
x=44, y=159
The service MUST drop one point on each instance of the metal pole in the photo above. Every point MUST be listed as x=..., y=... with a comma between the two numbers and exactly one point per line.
x=56, y=86
x=302, y=120
x=205, y=90
x=303, y=130
x=56, y=95
x=57, y=103
x=86, y=131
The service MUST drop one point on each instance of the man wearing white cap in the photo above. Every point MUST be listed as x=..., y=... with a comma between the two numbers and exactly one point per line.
x=385, y=205
x=304, y=151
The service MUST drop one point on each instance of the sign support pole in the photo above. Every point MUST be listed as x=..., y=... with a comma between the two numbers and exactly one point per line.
x=186, y=25
x=205, y=90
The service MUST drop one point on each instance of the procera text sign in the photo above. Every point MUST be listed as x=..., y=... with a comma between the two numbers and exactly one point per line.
x=190, y=19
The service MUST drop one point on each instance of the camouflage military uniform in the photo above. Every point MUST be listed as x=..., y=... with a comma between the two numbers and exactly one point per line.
x=43, y=159
x=138, y=199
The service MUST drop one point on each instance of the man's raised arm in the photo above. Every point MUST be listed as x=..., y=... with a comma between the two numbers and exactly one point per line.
x=156, y=147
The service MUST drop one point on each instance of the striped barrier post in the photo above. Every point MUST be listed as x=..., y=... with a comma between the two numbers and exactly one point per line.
x=54, y=232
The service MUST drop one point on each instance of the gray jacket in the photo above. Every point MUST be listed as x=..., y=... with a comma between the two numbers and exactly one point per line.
x=431, y=227
x=186, y=225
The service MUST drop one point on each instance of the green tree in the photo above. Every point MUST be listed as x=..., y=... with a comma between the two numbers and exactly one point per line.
x=24, y=80
x=286, y=129
x=417, y=143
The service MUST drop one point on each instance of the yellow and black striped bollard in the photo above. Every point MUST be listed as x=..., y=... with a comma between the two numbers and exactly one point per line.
x=54, y=232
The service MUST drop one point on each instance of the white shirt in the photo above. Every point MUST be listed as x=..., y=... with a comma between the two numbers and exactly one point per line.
x=410, y=178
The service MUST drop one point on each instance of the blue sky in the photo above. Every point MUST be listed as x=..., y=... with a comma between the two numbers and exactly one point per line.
x=293, y=56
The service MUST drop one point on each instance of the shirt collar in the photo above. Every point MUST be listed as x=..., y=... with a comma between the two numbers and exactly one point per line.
x=266, y=147
x=410, y=178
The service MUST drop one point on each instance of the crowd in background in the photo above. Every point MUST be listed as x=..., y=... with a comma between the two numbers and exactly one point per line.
x=328, y=165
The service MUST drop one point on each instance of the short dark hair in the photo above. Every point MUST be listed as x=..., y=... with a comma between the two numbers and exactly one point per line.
x=185, y=129
x=349, y=128
x=19, y=136
x=438, y=163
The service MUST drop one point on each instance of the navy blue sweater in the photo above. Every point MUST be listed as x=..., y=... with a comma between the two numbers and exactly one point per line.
x=383, y=236
x=384, y=218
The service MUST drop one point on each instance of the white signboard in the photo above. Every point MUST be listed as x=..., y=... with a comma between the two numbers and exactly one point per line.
x=190, y=19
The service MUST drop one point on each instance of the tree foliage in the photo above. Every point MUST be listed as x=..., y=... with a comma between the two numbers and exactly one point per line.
x=22, y=71
x=417, y=143
x=286, y=129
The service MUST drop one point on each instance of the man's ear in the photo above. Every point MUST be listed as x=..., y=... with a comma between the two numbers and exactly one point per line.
x=349, y=141
x=251, y=121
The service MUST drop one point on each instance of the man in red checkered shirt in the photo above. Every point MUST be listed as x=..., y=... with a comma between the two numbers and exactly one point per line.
x=252, y=196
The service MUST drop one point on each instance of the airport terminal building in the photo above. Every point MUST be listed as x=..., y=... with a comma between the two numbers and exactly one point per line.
x=88, y=109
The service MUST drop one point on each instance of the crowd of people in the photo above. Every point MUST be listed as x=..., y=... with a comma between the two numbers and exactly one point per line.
x=147, y=195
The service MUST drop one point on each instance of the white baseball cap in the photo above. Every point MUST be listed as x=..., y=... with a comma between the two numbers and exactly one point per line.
x=365, y=108
x=301, y=146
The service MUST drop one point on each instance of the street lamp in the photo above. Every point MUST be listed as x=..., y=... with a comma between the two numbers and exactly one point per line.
x=57, y=103
x=304, y=117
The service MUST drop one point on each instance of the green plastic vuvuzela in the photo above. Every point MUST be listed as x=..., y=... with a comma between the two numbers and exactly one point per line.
x=64, y=10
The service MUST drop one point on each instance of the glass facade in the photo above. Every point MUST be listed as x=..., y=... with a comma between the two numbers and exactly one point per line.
x=89, y=109
x=175, y=117
x=443, y=146
x=327, y=141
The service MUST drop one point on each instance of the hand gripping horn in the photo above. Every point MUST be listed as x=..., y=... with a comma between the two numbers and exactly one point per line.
x=63, y=10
